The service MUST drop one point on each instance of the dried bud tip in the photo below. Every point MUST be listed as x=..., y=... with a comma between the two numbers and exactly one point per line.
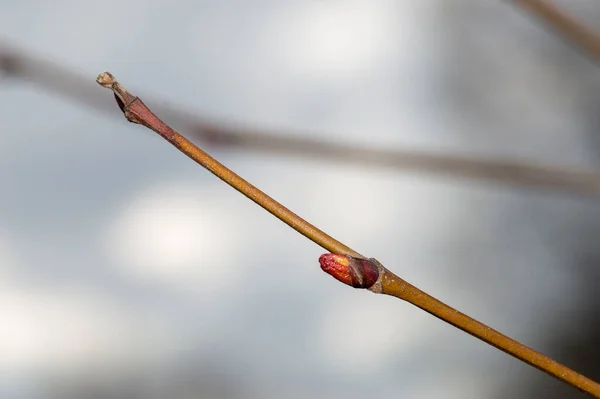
x=105, y=79
x=355, y=272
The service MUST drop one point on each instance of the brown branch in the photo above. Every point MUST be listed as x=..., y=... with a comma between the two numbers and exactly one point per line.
x=565, y=24
x=136, y=112
x=49, y=76
x=370, y=274
x=512, y=173
x=346, y=264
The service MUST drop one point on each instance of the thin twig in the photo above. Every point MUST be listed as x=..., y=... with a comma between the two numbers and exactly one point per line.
x=565, y=24
x=397, y=287
x=345, y=264
x=136, y=112
x=371, y=275
x=509, y=172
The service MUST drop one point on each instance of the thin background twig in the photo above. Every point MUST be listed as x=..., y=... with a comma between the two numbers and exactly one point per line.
x=564, y=23
x=208, y=132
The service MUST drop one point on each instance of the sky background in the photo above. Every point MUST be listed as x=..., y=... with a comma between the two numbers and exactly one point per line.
x=126, y=270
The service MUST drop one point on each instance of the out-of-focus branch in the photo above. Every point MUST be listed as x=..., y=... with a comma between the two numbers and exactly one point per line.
x=454, y=166
x=565, y=24
x=56, y=79
x=16, y=64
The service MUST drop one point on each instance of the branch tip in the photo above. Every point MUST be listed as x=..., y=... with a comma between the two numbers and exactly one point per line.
x=123, y=97
x=106, y=79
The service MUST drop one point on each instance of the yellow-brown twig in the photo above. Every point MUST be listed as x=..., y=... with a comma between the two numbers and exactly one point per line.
x=136, y=111
x=395, y=286
x=345, y=264
x=370, y=274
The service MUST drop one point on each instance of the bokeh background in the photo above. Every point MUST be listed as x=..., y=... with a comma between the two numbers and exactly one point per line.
x=128, y=271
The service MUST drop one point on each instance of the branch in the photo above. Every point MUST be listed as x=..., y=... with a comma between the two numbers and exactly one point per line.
x=136, y=112
x=371, y=275
x=518, y=174
x=512, y=173
x=565, y=24
x=344, y=263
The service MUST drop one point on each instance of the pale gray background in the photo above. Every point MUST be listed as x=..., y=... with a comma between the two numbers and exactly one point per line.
x=128, y=271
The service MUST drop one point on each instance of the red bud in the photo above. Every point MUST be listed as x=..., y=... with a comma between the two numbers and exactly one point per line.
x=355, y=272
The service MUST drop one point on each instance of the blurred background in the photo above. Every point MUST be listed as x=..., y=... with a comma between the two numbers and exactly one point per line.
x=128, y=271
